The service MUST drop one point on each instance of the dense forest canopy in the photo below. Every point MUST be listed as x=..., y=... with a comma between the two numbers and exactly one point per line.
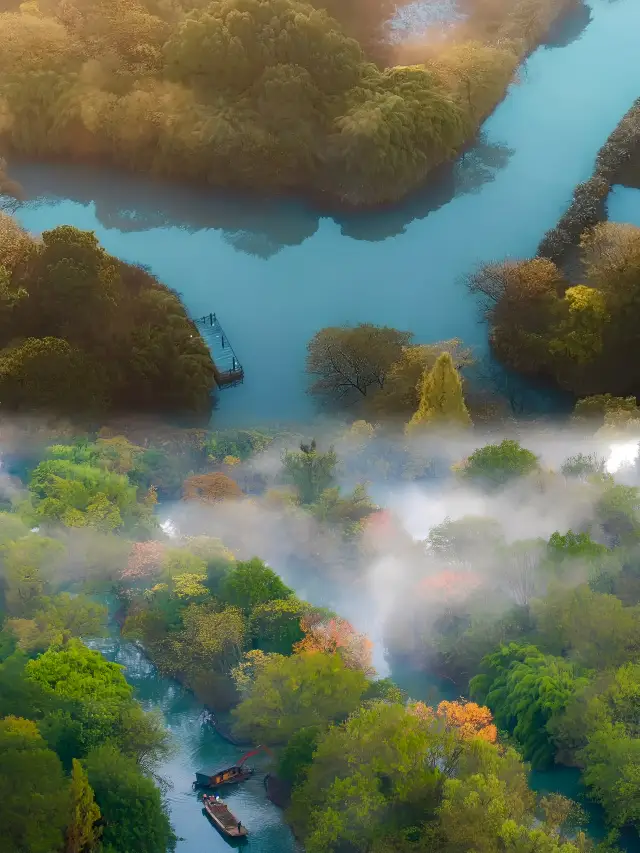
x=269, y=94
x=84, y=334
x=542, y=632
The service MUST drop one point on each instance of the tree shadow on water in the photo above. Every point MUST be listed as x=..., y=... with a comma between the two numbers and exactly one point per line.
x=253, y=224
x=569, y=28
x=476, y=167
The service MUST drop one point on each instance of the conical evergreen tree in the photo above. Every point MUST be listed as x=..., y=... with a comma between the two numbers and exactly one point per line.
x=82, y=832
x=441, y=400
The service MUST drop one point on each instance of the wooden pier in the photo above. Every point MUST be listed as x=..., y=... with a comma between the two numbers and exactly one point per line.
x=228, y=369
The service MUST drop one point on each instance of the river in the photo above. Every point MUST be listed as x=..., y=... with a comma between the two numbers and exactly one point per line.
x=275, y=271
x=195, y=748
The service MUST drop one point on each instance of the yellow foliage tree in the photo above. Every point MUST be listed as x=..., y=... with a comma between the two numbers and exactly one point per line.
x=441, y=400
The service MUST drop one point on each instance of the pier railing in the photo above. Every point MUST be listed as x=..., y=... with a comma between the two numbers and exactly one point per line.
x=228, y=369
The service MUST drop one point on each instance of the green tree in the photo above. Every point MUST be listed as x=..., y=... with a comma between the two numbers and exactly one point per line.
x=372, y=777
x=592, y=628
x=58, y=620
x=526, y=689
x=82, y=832
x=131, y=805
x=96, y=688
x=495, y=465
x=251, y=583
x=310, y=471
x=82, y=495
x=296, y=757
x=49, y=374
x=33, y=790
x=28, y=563
x=346, y=511
x=618, y=511
x=209, y=640
x=612, y=768
x=296, y=692
x=275, y=625
x=441, y=400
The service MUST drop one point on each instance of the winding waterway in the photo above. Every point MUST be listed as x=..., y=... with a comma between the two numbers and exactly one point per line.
x=275, y=271
x=197, y=747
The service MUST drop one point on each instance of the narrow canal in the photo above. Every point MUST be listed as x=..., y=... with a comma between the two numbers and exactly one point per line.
x=197, y=747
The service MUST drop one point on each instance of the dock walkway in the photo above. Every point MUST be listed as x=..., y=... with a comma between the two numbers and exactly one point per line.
x=229, y=371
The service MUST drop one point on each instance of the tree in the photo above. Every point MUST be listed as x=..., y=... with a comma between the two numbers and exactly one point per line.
x=592, y=628
x=336, y=636
x=48, y=374
x=526, y=690
x=310, y=471
x=28, y=563
x=57, y=621
x=33, y=790
x=297, y=755
x=469, y=719
x=441, y=401
x=372, y=777
x=251, y=583
x=618, y=511
x=351, y=363
x=131, y=804
x=275, y=625
x=84, y=495
x=210, y=488
x=461, y=541
x=82, y=832
x=496, y=465
x=400, y=395
x=347, y=511
x=95, y=688
x=297, y=692
x=612, y=764
x=209, y=640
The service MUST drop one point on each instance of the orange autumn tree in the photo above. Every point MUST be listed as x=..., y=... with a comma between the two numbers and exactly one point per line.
x=336, y=636
x=470, y=719
x=210, y=488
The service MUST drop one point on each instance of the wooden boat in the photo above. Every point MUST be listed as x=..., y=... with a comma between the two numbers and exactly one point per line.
x=219, y=812
x=225, y=776
x=236, y=773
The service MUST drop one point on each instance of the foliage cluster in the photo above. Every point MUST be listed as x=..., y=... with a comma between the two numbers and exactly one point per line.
x=82, y=333
x=258, y=93
x=545, y=632
x=577, y=335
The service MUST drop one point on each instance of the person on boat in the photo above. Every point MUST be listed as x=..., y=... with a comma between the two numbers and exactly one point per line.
x=239, y=825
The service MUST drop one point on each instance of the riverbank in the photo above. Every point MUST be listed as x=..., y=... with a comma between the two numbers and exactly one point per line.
x=617, y=162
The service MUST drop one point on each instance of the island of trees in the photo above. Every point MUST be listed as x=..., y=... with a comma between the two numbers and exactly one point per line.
x=264, y=94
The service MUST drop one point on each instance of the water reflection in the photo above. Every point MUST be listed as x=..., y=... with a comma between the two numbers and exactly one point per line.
x=254, y=225
x=569, y=27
